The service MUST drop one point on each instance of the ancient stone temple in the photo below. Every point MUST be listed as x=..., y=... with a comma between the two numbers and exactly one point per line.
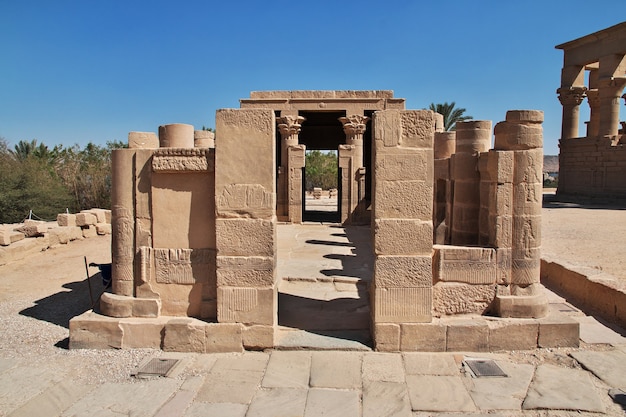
x=455, y=227
x=594, y=67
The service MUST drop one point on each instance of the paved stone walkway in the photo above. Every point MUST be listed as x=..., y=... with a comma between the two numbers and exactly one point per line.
x=329, y=383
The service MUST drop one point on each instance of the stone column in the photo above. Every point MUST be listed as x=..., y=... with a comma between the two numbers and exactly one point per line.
x=122, y=221
x=593, y=99
x=203, y=139
x=354, y=127
x=176, y=135
x=296, y=155
x=570, y=98
x=610, y=91
x=472, y=138
x=518, y=153
x=289, y=127
x=245, y=227
x=403, y=241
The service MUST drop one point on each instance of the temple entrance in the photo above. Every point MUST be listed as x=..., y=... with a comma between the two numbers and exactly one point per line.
x=321, y=133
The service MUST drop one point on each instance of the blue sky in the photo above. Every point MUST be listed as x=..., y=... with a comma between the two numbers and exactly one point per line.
x=79, y=71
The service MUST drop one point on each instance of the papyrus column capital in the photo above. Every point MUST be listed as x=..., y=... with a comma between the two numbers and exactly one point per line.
x=354, y=127
x=571, y=96
x=290, y=126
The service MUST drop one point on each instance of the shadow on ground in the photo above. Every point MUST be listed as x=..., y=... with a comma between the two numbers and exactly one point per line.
x=59, y=308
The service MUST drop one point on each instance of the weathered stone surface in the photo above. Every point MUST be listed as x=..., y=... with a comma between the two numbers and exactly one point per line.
x=411, y=164
x=384, y=398
x=430, y=364
x=332, y=403
x=103, y=228
x=609, y=366
x=86, y=219
x=245, y=237
x=426, y=337
x=471, y=265
x=223, y=337
x=403, y=271
x=386, y=367
x=450, y=298
x=199, y=409
x=64, y=219
x=245, y=271
x=402, y=237
x=438, y=393
x=402, y=305
x=32, y=229
x=140, y=333
x=468, y=336
x=23, y=249
x=54, y=400
x=336, y=370
x=143, y=140
x=8, y=237
x=257, y=337
x=247, y=305
x=281, y=402
x=418, y=128
x=184, y=335
x=89, y=231
x=126, y=399
x=386, y=337
x=502, y=393
x=404, y=199
x=508, y=335
x=94, y=331
x=288, y=369
x=562, y=389
x=176, y=135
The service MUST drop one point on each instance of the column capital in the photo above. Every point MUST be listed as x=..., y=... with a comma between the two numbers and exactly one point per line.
x=289, y=125
x=354, y=124
x=571, y=95
x=593, y=97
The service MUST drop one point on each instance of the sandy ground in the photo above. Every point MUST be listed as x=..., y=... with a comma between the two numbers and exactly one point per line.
x=587, y=235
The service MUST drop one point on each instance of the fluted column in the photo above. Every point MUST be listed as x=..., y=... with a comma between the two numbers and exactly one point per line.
x=289, y=127
x=354, y=126
x=570, y=98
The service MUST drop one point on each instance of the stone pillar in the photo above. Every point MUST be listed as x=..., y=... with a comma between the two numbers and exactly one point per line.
x=176, y=135
x=610, y=91
x=122, y=221
x=297, y=158
x=593, y=99
x=518, y=163
x=289, y=127
x=472, y=138
x=245, y=175
x=354, y=127
x=402, y=210
x=203, y=139
x=570, y=98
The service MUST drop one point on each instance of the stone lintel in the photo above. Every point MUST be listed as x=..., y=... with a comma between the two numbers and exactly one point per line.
x=179, y=160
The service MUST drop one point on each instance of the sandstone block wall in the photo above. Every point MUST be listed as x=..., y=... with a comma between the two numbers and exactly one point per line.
x=402, y=232
x=592, y=168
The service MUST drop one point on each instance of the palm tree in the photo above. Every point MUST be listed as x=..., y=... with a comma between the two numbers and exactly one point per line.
x=450, y=114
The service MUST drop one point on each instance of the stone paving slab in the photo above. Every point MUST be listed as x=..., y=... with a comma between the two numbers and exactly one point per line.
x=332, y=403
x=609, y=366
x=54, y=400
x=438, y=393
x=594, y=332
x=288, y=369
x=278, y=402
x=430, y=364
x=216, y=409
x=21, y=383
x=336, y=370
x=562, y=389
x=137, y=400
x=6, y=364
x=386, y=367
x=502, y=393
x=383, y=398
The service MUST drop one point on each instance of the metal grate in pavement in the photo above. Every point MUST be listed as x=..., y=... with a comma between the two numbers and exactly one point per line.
x=484, y=367
x=156, y=367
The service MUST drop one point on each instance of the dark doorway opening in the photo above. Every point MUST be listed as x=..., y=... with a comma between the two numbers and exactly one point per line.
x=322, y=133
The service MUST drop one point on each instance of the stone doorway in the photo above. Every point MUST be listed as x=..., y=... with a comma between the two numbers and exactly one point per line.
x=321, y=182
x=322, y=132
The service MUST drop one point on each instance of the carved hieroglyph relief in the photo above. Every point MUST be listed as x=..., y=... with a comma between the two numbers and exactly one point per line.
x=183, y=266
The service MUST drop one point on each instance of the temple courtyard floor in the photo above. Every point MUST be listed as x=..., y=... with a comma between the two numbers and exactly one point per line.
x=324, y=270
